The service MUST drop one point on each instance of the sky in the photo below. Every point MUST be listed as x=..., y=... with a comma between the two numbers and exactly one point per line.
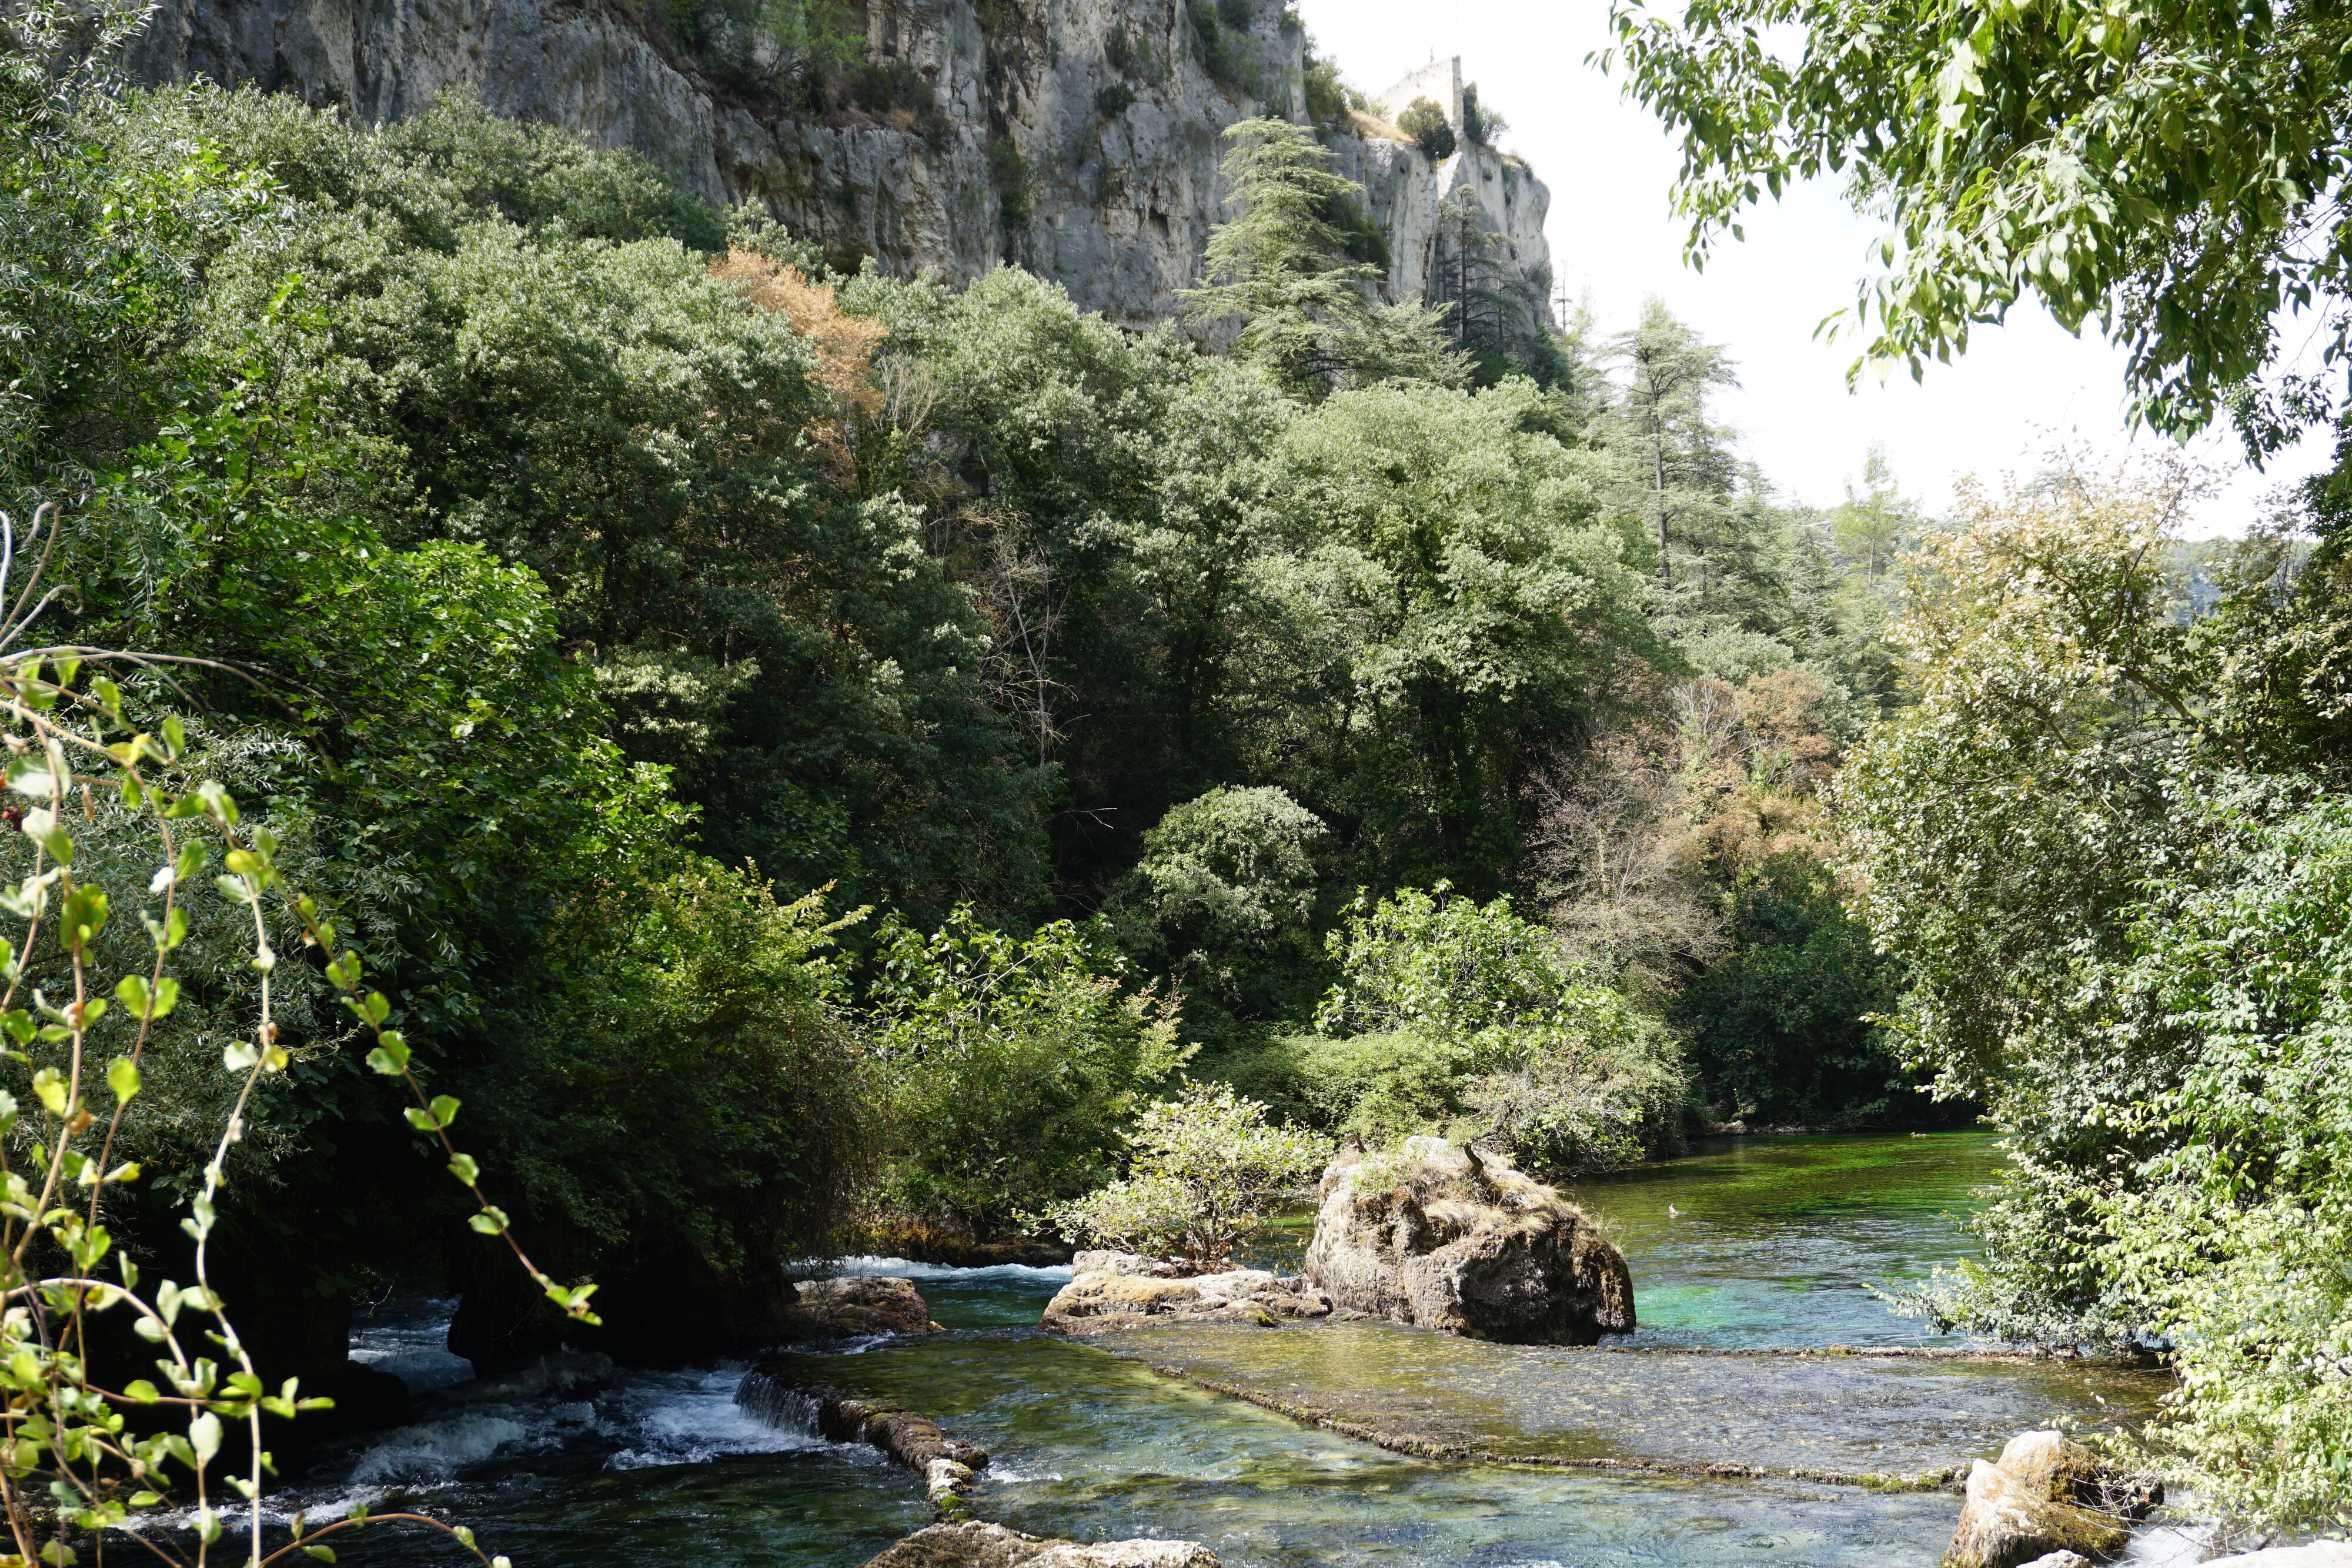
x=2020, y=388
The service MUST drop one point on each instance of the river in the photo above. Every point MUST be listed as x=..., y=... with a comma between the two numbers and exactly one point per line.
x=1745, y=1245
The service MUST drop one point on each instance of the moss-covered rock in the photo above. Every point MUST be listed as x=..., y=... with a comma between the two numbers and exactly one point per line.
x=1446, y=1238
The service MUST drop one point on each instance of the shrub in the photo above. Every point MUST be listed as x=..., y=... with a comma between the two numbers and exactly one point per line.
x=1236, y=14
x=1225, y=53
x=1480, y=125
x=1012, y=1064
x=1206, y=1167
x=1495, y=1036
x=1113, y=99
x=1426, y=124
x=1326, y=96
x=1010, y=173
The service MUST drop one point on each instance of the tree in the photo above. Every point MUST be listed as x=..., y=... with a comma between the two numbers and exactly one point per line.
x=1871, y=525
x=1498, y=320
x=1446, y=611
x=1012, y=1064
x=1427, y=125
x=1206, y=1169
x=1308, y=316
x=1227, y=882
x=1661, y=412
x=2165, y=170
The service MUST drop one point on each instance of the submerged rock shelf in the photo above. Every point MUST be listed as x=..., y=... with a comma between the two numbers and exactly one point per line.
x=1306, y=1413
x=1889, y=1422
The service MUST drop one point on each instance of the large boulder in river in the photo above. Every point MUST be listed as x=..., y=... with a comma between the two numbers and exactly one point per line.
x=2046, y=1495
x=972, y=1544
x=851, y=1308
x=1110, y=1290
x=1448, y=1238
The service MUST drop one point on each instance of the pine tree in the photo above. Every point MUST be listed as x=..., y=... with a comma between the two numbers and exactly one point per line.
x=1310, y=318
x=1662, y=414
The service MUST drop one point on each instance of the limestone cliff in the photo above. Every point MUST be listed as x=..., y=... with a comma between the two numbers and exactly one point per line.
x=1077, y=138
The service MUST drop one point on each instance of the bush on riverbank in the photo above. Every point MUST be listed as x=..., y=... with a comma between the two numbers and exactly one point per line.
x=1469, y=1022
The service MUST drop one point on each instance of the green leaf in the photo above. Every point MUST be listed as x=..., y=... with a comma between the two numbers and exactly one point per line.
x=204, y=1436
x=464, y=1168
x=50, y=1086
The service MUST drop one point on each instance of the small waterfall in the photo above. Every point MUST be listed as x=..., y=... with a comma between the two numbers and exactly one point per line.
x=778, y=1404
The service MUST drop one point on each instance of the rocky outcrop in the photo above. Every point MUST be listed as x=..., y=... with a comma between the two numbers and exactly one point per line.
x=1077, y=138
x=2046, y=1496
x=1447, y=1237
x=847, y=1308
x=975, y=1545
x=1110, y=1290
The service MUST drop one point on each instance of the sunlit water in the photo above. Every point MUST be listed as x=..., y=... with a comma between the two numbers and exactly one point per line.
x=1770, y=1242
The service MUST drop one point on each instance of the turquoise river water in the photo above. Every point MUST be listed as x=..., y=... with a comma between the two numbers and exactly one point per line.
x=1745, y=1245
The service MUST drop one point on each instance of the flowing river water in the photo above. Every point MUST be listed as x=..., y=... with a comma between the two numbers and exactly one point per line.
x=1745, y=1246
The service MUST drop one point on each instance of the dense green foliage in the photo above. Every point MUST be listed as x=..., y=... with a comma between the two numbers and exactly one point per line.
x=2105, y=848
x=1011, y=1064
x=2164, y=170
x=1207, y=1170
x=585, y=576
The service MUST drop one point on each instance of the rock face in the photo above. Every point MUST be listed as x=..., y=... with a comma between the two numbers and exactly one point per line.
x=1077, y=137
x=2046, y=1496
x=1110, y=1290
x=977, y=1545
x=1449, y=1238
x=844, y=1309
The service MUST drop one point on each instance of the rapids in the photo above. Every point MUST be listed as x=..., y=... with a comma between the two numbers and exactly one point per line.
x=1750, y=1244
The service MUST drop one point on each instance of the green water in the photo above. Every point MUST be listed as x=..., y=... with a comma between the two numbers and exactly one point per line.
x=1769, y=1242
x=1777, y=1241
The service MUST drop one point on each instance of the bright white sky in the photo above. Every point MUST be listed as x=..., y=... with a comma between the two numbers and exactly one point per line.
x=2019, y=389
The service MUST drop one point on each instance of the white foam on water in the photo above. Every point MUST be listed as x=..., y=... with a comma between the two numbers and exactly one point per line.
x=437, y=1450
x=1012, y=1477
x=411, y=1341
x=691, y=1418
x=907, y=1268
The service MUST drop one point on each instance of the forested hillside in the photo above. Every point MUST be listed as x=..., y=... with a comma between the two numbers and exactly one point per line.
x=611, y=608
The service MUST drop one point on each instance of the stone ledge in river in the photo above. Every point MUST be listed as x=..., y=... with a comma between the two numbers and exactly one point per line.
x=1445, y=1238
x=971, y=1544
x=847, y=1308
x=1113, y=1291
x=2046, y=1496
x=947, y=1465
x=2318, y=1555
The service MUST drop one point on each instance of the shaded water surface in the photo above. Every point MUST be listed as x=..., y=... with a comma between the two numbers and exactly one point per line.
x=1770, y=1243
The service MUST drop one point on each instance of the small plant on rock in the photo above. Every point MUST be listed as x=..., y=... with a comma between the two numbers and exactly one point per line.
x=1206, y=1168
